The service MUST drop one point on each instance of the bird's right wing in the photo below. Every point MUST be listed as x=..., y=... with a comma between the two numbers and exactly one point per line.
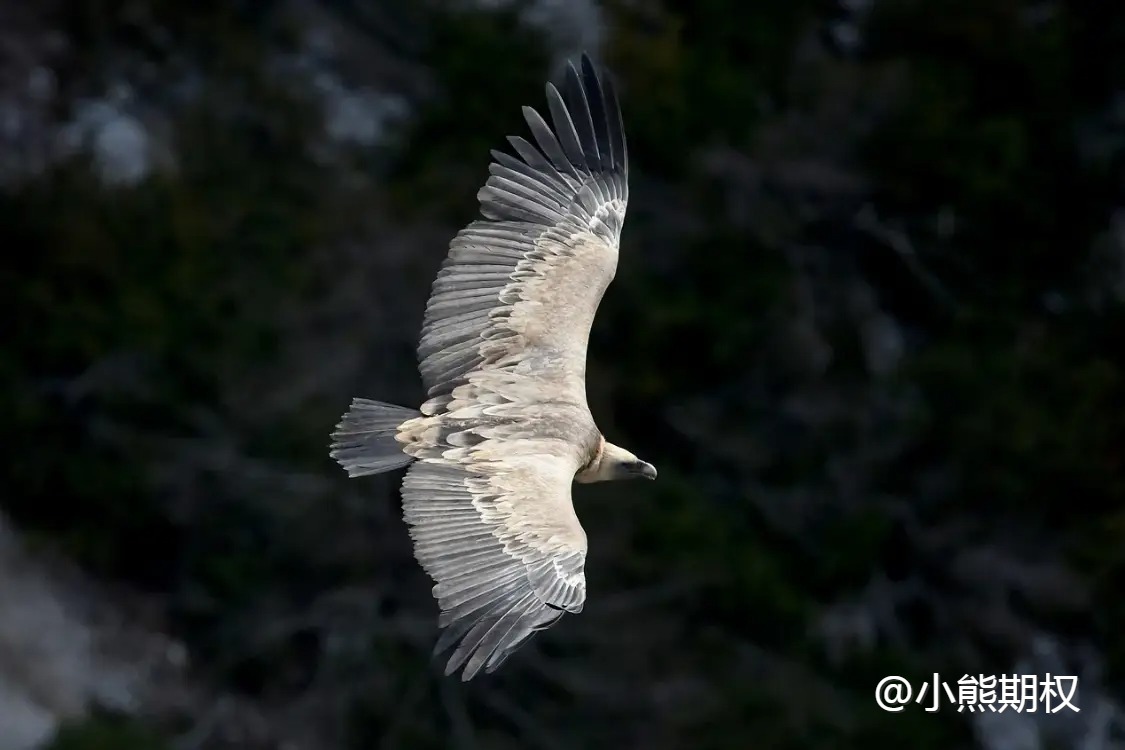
x=493, y=525
x=520, y=288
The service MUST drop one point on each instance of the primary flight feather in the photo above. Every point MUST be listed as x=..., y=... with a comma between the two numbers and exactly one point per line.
x=505, y=429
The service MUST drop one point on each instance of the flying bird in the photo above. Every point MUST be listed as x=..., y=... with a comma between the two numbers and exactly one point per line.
x=505, y=428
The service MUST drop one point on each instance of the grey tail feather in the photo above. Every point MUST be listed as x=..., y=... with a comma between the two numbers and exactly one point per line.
x=364, y=441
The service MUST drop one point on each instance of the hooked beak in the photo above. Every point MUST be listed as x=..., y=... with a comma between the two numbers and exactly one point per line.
x=643, y=469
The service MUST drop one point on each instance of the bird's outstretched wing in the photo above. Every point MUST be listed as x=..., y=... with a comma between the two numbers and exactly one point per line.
x=520, y=288
x=496, y=530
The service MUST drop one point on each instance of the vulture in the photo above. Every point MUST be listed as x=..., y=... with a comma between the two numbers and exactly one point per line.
x=505, y=428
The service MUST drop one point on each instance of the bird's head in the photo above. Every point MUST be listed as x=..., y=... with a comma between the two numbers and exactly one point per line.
x=613, y=462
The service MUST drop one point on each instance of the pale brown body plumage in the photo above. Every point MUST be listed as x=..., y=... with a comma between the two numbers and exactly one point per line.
x=505, y=429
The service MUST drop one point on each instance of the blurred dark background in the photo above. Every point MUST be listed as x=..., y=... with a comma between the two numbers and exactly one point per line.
x=869, y=323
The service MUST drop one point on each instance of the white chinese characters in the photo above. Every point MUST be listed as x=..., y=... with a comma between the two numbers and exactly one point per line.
x=998, y=693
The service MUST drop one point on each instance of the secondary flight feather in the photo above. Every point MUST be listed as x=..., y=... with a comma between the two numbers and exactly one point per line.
x=505, y=429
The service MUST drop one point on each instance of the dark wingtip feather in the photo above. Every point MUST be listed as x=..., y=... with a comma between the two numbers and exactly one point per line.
x=565, y=128
x=578, y=139
x=616, y=127
x=484, y=641
x=579, y=101
x=605, y=110
x=586, y=124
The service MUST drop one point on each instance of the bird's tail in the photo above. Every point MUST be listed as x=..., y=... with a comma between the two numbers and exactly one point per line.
x=364, y=441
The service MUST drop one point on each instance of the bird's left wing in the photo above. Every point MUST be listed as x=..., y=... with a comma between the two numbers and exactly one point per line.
x=494, y=526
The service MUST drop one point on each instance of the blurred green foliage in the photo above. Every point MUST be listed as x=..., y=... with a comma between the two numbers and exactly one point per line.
x=436, y=175
x=178, y=303
x=103, y=733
